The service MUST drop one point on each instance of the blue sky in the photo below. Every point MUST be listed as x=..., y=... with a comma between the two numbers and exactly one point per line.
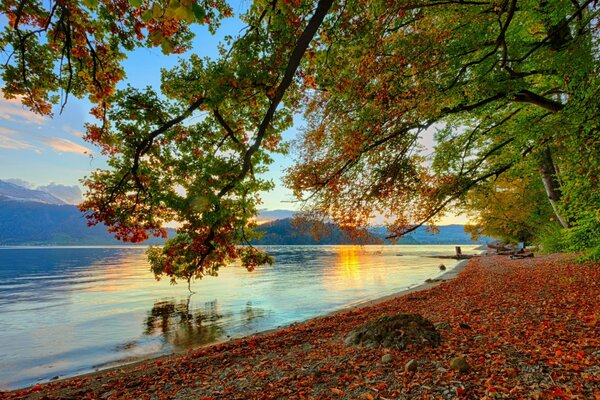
x=41, y=150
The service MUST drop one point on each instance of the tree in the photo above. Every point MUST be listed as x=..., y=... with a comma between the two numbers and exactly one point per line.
x=511, y=208
x=502, y=80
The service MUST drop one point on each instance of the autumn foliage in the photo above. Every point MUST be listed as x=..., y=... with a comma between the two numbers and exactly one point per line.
x=528, y=329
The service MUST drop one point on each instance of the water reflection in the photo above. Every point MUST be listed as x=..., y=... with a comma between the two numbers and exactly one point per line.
x=180, y=325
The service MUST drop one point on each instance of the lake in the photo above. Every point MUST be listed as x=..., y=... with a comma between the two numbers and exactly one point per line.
x=70, y=310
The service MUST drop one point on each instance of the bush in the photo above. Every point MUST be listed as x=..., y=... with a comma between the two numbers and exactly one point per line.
x=584, y=237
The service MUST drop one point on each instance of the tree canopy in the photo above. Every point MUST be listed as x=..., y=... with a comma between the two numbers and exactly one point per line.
x=500, y=81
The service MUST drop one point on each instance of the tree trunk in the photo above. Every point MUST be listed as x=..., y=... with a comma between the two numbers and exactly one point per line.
x=548, y=174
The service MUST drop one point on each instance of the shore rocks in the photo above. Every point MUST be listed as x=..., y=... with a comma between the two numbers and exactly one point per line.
x=411, y=366
x=442, y=325
x=397, y=332
x=442, y=267
x=460, y=364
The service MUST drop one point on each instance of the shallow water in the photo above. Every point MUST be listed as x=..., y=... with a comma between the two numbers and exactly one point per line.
x=67, y=311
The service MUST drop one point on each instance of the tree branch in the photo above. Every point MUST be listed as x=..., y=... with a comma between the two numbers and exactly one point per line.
x=526, y=96
x=293, y=63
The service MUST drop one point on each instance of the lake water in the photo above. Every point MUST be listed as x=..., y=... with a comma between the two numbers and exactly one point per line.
x=67, y=311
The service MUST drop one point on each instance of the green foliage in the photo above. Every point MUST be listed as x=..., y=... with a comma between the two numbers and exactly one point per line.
x=551, y=239
x=512, y=208
x=583, y=238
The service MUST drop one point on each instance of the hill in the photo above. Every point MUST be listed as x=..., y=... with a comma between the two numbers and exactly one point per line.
x=10, y=191
x=24, y=222
x=284, y=232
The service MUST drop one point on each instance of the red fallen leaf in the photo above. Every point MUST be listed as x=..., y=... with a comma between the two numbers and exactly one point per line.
x=557, y=392
x=337, y=391
x=460, y=391
x=36, y=387
x=369, y=396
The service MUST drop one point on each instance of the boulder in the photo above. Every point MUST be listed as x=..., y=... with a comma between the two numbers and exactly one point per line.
x=442, y=267
x=459, y=364
x=398, y=331
x=411, y=366
x=386, y=358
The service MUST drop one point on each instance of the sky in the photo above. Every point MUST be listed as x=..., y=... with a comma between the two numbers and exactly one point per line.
x=39, y=151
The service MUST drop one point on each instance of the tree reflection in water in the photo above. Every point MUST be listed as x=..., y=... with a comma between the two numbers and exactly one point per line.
x=249, y=313
x=183, y=327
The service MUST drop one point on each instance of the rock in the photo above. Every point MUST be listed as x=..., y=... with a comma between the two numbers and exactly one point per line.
x=54, y=378
x=442, y=267
x=478, y=338
x=185, y=393
x=459, y=364
x=351, y=338
x=386, y=358
x=397, y=332
x=411, y=366
x=441, y=325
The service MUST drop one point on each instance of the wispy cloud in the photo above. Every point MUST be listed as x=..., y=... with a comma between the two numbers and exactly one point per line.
x=74, y=132
x=66, y=146
x=13, y=110
x=9, y=141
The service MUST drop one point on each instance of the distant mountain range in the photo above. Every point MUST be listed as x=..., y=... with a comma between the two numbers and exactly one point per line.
x=34, y=217
x=10, y=191
x=284, y=231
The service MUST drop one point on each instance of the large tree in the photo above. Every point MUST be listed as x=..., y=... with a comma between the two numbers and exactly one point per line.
x=502, y=80
x=499, y=82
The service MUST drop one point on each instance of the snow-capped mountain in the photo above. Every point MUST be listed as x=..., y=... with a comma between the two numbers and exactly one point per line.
x=10, y=191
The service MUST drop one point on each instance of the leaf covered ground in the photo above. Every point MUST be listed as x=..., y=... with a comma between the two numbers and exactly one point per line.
x=527, y=328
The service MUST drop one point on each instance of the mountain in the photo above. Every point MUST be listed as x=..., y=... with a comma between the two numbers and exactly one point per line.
x=448, y=234
x=284, y=232
x=36, y=223
x=272, y=215
x=10, y=191
x=33, y=221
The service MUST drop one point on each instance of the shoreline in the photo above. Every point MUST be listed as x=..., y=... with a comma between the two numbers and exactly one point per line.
x=451, y=273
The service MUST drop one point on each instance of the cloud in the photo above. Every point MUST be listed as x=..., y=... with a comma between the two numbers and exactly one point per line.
x=7, y=142
x=13, y=110
x=69, y=194
x=74, y=132
x=66, y=146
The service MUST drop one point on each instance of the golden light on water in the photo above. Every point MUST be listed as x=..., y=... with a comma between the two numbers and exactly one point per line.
x=348, y=262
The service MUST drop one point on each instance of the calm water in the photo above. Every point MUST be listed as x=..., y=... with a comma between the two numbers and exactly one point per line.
x=66, y=311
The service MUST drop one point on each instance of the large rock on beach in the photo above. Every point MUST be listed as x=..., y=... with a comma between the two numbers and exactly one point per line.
x=398, y=331
x=460, y=364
